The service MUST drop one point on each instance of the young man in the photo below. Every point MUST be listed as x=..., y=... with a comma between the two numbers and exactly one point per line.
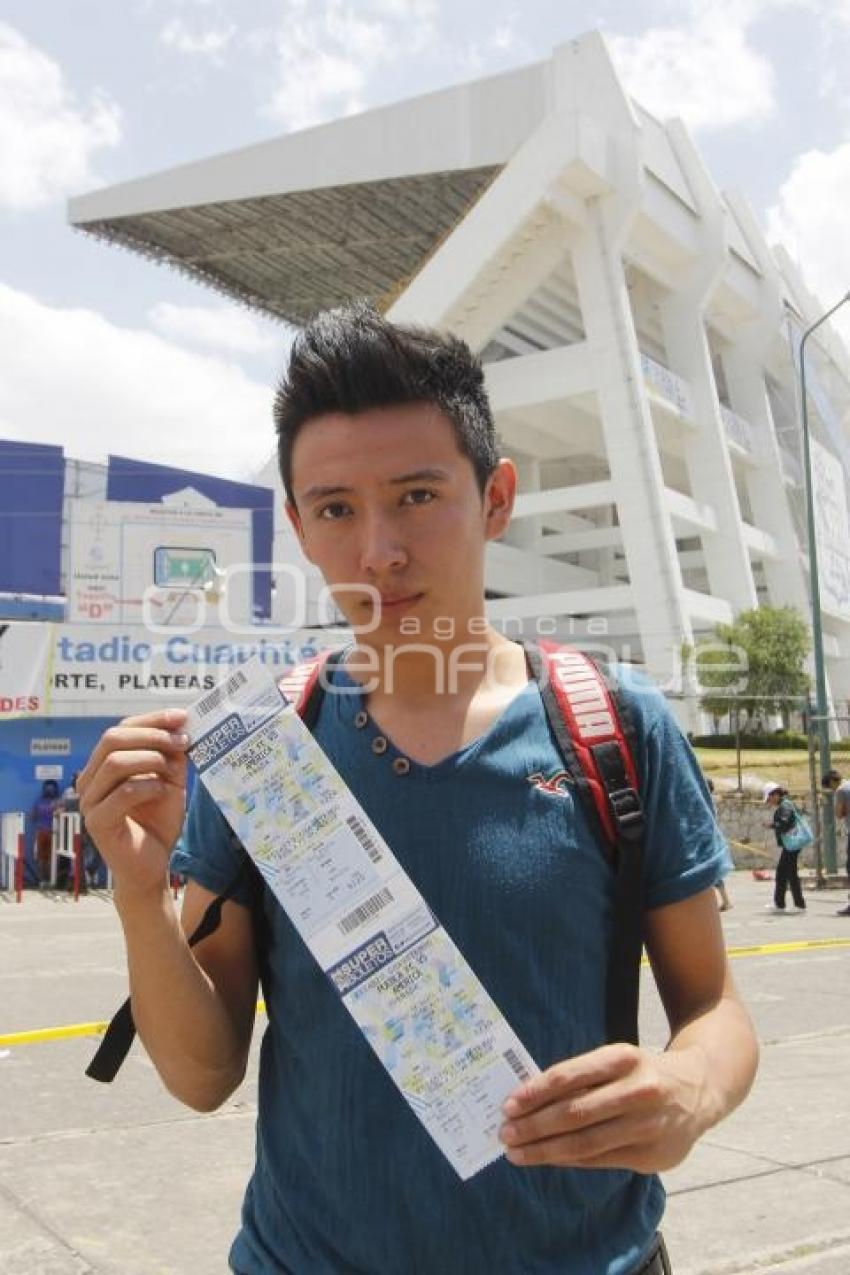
x=832, y=782
x=395, y=487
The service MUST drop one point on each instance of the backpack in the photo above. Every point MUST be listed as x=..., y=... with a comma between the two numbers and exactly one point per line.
x=591, y=722
x=799, y=835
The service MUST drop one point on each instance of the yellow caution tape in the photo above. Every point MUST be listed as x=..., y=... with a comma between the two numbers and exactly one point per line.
x=42, y=1035
x=774, y=949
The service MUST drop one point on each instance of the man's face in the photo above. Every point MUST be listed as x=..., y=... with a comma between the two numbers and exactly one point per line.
x=386, y=498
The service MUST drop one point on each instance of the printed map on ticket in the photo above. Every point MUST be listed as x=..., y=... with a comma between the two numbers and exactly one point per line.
x=430, y=1022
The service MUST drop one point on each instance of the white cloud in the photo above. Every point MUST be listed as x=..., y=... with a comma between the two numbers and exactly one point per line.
x=210, y=43
x=810, y=220
x=834, y=10
x=705, y=72
x=506, y=43
x=146, y=7
x=47, y=139
x=503, y=38
x=72, y=377
x=328, y=50
x=223, y=327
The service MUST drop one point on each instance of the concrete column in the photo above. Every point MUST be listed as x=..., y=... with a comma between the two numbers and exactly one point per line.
x=744, y=368
x=525, y=532
x=744, y=362
x=838, y=678
x=629, y=438
x=706, y=454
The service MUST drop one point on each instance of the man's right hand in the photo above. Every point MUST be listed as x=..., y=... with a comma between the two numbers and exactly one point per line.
x=133, y=797
x=193, y=1008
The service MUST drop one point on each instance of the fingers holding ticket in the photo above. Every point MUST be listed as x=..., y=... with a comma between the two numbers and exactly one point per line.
x=133, y=796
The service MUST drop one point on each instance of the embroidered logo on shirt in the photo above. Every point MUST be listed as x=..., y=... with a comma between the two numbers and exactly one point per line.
x=559, y=782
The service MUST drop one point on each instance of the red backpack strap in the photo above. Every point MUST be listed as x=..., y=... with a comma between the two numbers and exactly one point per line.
x=590, y=731
x=592, y=726
x=300, y=682
x=306, y=686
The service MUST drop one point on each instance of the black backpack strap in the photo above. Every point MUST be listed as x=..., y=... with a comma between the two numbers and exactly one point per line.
x=593, y=728
x=306, y=685
x=121, y=1032
x=622, y=995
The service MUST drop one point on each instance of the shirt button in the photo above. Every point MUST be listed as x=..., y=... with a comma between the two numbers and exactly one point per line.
x=361, y=719
x=401, y=766
x=379, y=745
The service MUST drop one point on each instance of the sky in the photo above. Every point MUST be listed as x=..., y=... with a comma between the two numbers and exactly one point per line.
x=102, y=352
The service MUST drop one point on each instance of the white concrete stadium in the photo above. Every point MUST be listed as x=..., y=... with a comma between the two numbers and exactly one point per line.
x=637, y=332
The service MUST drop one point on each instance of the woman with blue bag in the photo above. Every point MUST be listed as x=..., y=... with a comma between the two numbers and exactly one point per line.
x=792, y=835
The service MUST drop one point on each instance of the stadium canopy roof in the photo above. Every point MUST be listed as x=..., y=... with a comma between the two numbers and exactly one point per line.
x=347, y=209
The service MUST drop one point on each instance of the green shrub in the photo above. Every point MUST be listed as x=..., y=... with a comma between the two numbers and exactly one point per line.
x=777, y=740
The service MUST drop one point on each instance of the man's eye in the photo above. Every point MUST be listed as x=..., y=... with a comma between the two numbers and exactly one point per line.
x=418, y=496
x=331, y=512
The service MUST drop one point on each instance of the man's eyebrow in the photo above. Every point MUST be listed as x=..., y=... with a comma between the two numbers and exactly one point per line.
x=321, y=493
x=417, y=476
x=421, y=475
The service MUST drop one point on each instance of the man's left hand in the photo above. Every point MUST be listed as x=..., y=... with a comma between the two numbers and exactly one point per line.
x=618, y=1107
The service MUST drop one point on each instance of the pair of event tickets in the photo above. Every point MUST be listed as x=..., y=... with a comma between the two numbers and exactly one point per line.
x=428, y=1019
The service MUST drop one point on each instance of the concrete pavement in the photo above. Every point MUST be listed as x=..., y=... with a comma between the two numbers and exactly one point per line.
x=121, y=1180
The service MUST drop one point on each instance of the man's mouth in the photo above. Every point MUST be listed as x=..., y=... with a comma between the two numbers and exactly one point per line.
x=396, y=602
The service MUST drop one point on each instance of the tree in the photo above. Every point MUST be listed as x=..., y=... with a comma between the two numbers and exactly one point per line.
x=756, y=664
x=719, y=676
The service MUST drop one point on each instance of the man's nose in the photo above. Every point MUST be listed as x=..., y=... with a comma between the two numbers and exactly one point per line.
x=380, y=547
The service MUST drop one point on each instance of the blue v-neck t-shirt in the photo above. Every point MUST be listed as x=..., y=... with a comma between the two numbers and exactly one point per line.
x=347, y=1181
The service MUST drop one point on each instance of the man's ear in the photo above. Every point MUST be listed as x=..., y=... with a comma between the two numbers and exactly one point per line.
x=499, y=496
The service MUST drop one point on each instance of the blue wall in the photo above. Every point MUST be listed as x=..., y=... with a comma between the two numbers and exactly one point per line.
x=32, y=484
x=30, y=608
x=18, y=784
x=142, y=481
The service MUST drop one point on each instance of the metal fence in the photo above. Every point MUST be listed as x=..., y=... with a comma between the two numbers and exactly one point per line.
x=827, y=829
x=741, y=772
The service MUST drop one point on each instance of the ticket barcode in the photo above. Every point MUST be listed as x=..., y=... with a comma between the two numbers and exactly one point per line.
x=366, y=911
x=368, y=843
x=220, y=694
x=516, y=1064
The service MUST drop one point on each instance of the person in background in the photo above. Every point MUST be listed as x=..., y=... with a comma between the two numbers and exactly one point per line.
x=724, y=903
x=832, y=782
x=783, y=820
x=42, y=818
x=94, y=869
